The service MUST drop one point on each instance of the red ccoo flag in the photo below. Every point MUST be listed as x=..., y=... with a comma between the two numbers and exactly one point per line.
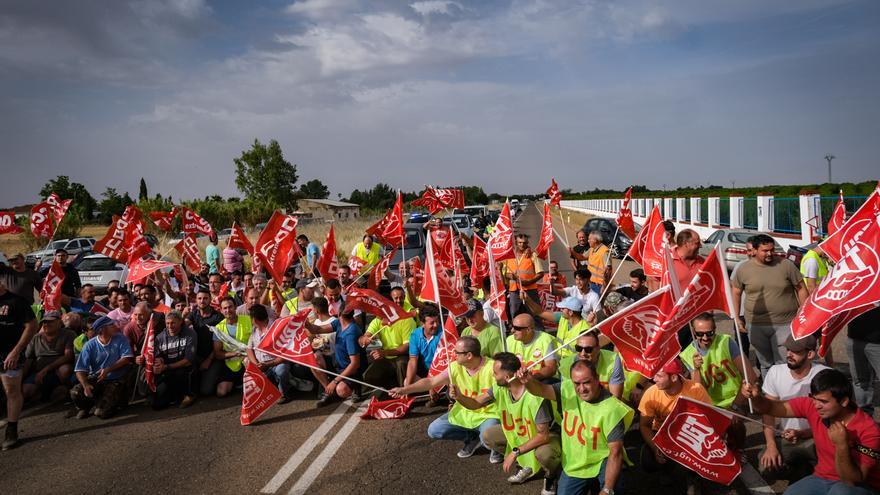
x=7, y=223
x=647, y=247
x=277, y=245
x=370, y=301
x=142, y=268
x=149, y=353
x=838, y=216
x=188, y=249
x=625, y=216
x=837, y=244
x=380, y=269
x=479, y=263
x=41, y=220
x=238, y=240
x=692, y=436
x=553, y=193
x=327, y=265
x=258, y=396
x=288, y=339
x=51, y=292
x=164, y=220
x=501, y=239
x=387, y=409
x=58, y=206
x=194, y=224
x=389, y=229
x=435, y=199
x=98, y=309
x=543, y=249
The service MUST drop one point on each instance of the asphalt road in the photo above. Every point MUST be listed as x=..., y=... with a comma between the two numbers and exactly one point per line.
x=293, y=448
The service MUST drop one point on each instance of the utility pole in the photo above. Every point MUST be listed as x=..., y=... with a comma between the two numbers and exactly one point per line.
x=829, y=157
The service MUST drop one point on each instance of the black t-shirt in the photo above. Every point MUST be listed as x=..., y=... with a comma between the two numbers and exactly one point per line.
x=629, y=293
x=866, y=327
x=21, y=283
x=15, y=312
x=204, y=337
x=581, y=250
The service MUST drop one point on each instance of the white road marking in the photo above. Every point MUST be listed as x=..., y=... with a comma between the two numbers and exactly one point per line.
x=305, y=449
x=753, y=481
x=320, y=462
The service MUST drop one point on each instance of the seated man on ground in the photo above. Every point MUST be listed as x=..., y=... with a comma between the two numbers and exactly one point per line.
x=49, y=360
x=350, y=358
x=533, y=346
x=174, y=364
x=227, y=370
x=276, y=369
x=101, y=370
x=388, y=345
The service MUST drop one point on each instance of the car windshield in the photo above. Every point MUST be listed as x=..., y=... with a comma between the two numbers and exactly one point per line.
x=413, y=239
x=58, y=245
x=96, y=264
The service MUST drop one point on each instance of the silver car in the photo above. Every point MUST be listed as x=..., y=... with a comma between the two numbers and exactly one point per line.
x=99, y=270
x=75, y=248
x=733, y=245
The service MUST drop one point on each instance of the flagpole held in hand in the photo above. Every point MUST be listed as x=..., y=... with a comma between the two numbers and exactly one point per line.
x=736, y=328
x=494, y=286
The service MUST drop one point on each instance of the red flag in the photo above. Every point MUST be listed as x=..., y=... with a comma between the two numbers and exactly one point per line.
x=387, y=409
x=380, y=269
x=41, y=220
x=327, y=264
x=7, y=223
x=439, y=287
x=188, y=249
x=164, y=220
x=141, y=268
x=501, y=239
x=625, y=216
x=647, y=247
x=51, y=292
x=258, y=396
x=58, y=206
x=553, y=193
x=548, y=303
x=418, y=275
x=837, y=244
x=356, y=265
x=479, y=263
x=635, y=331
x=149, y=353
x=288, y=339
x=838, y=216
x=389, y=229
x=435, y=199
x=98, y=309
x=692, y=436
x=543, y=249
x=443, y=250
x=852, y=283
x=370, y=301
x=238, y=240
x=668, y=275
x=836, y=324
x=112, y=245
x=136, y=246
x=277, y=245
x=194, y=224
x=445, y=352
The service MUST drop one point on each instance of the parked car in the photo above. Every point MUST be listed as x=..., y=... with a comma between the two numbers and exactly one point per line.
x=414, y=233
x=463, y=224
x=607, y=227
x=733, y=245
x=224, y=234
x=179, y=237
x=99, y=270
x=419, y=218
x=796, y=253
x=76, y=248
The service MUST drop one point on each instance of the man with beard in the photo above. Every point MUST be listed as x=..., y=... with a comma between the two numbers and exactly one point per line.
x=793, y=453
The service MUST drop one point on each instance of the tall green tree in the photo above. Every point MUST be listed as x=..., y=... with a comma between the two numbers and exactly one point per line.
x=83, y=203
x=314, y=189
x=263, y=175
x=142, y=191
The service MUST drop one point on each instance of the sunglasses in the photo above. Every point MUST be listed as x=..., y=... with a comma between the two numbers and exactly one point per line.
x=520, y=329
x=460, y=353
x=580, y=348
x=707, y=335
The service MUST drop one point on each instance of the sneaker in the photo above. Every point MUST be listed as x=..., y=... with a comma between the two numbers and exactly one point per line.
x=549, y=487
x=302, y=385
x=187, y=401
x=323, y=399
x=11, y=439
x=469, y=449
x=521, y=476
x=496, y=457
x=82, y=414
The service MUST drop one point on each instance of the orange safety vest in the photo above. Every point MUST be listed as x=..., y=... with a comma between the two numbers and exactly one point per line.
x=596, y=263
x=526, y=269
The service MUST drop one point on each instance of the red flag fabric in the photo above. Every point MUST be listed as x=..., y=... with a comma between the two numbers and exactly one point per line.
x=238, y=240
x=112, y=244
x=548, y=303
x=692, y=436
x=327, y=264
x=418, y=275
x=625, y=216
x=149, y=353
x=289, y=339
x=443, y=250
x=497, y=293
x=379, y=271
x=258, y=396
x=194, y=224
x=98, y=309
x=7, y=223
x=387, y=409
x=41, y=220
x=370, y=301
x=445, y=352
x=836, y=324
x=838, y=216
x=852, y=283
x=438, y=286
x=188, y=248
x=136, y=245
x=277, y=245
x=142, y=268
x=708, y=291
x=501, y=239
x=164, y=220
x=389, y=229
x=58, y=206
x=479, y=263
x=553, y=193
x=668, y=275
x=356, y=265
x=50, y=295
x=647, y=248
x=543, y=249
x=635, y=331
x=837, y=244
x=435, y=199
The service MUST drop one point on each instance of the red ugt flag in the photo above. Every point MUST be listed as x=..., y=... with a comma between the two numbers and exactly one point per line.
x=59, y=207
x=837, y=244
x=543, y=249
x=259, y=394
x=194, y=224
x=647, y=248
x=7, y=223
x=162, y=219
x=501, y=240
x=188, y=249
x=438, y=286
x=387, y=409
x=142, y=268
x=692, y=436
x=238, y=240
x=327, y=265
x=389, y=229
x=380, y=269
x=625, y=216
x=553, y=193
x=445, y=352
x=480, y=263
x=149, y=353
x=277, y=245
x=41, y=220
x=838, y=216
x=288, y=339
x=370, y=301
x=51, y=292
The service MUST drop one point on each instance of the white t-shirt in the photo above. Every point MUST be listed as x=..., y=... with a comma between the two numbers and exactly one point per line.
x=590, y=300
x=811, y=267
x=779, y=383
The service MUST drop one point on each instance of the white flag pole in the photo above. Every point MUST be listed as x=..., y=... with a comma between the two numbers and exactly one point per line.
x=736, y=329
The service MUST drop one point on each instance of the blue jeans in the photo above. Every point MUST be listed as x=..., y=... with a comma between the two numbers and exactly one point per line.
x=864, y=363
x=442, y=429
x=569, y=485
x=814, y=485
x=280, y=376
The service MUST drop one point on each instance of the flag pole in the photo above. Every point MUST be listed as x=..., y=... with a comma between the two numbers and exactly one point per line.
x=433, y=266
x=731, y=413
x=494, y=286
x=564, y=228
x=322, y=370
x=402, y=238
x=736, y=329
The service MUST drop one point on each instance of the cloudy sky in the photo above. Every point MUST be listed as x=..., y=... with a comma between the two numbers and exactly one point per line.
x=501, y=94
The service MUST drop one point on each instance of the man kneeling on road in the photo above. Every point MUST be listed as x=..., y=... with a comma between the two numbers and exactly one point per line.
x=175, y=351
x=100, y=370
x=524, y=433
x=276, y=369
x=473, y=376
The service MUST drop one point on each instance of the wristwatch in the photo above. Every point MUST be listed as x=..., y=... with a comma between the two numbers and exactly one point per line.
x=515, y=451
x=609, y=491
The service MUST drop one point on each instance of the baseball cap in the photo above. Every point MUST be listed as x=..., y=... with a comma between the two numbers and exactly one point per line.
x=102, y=322
x=571, y=303
x=313, y=284
x=473, y=307
x=807, y=343
x=614, y=299
x=673, y=367
x=51, y=316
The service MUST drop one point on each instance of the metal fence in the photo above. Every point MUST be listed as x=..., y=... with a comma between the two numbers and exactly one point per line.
x=750, y=213
x=786, y=215
x=827, y=204
x=724, y=212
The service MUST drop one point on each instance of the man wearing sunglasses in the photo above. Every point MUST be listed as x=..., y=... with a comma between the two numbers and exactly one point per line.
x=625, y=385
x=533, y=346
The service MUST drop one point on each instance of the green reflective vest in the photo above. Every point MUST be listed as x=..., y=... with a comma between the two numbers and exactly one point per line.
x=472, y=386
x=533, y=352
x=566, y=332
x=823, y=267
x=371, y=256
x=393, y=336
x=518, y=422
x=605, y=367
x=243, y=329
x=489, y=337
x=720, y=375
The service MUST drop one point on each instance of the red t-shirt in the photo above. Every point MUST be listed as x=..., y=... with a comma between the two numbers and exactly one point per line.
x=685, y=270
x=862, y=431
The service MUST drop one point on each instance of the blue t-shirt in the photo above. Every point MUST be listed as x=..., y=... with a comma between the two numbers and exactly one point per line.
x=96, y=356
x=212, y=258
x=347, y=345
x=423, y=348
x=312, y=252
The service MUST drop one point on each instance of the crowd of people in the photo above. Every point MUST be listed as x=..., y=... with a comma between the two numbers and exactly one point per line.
x=551, y=400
